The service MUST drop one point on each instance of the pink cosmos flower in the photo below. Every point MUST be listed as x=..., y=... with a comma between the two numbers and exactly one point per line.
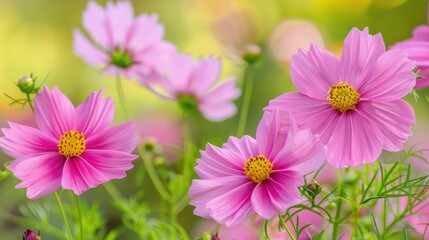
x=417, y=48
x=122, y=44
x=354, y=103
x=190, y=83
x=259, y=176
x=73, y=147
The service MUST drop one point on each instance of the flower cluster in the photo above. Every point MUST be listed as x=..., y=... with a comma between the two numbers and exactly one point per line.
x=134, y=48
x=345, y=112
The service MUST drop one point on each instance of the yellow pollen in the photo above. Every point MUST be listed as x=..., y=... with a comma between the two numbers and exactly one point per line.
x=258, y=169
x=71, y=144
x=343, y=97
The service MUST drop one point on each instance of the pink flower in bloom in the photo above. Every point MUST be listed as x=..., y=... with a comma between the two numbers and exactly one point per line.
x=417, y=48
x=259, y=176
x=73, y=148
x=190, y=83
x=354, y=103
x=123, y=45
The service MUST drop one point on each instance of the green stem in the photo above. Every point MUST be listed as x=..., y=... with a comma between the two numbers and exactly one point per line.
x=63, y=214
x=30, y=102
x=80, y=217
x=173, y=216
x=282, y=222
x=121, y=95
x=337, y=221
x=247, y=94
x=147, y=160
x=181, y=204
x=113, y=191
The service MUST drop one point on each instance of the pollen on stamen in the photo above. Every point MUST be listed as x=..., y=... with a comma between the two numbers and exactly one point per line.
x=343, y=97
x=72, y=144
x=258, y=169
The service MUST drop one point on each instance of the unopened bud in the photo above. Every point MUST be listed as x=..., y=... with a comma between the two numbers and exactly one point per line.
x=209, y=236
x=31, y=235
x=251, y=54
x=27, y=84
x=314, y=188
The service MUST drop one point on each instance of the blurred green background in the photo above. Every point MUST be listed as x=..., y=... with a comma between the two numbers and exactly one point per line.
x=36, y=36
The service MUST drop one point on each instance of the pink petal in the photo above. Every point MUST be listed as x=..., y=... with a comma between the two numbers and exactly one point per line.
x=224, y=93
x=269, y=135
x=261, y=202
x=159, y=58
x=54, y=112
x=394, y=119
x=199, y=202
x=355, y=141
x=423, y=83
x=317, y=115
x=205, y=74
x=219, y=162
x=79, y=175
x=246, y=147
x=119, y=19
x=144, y=33
x=95, y=22
x=313, y=72
x=418, y=50
x=217, y=112
x=390, y=77
x=120, y=137
x=41, y=175
x=361, y=50
x=87, y=51
x=421, y=33
x=204, y=186
x=20, y=140
x=232, y=207
x=179, y=75
x=304, y=153
x=282, y=189
x=111, y=163
x=95, y=114
x=238, y=232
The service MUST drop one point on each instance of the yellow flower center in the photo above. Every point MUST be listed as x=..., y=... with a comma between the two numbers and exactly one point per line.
x=71, y=144
x=343, y=97
x=258, y=169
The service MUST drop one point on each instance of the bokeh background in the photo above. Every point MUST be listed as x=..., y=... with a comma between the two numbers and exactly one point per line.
x=36, y=36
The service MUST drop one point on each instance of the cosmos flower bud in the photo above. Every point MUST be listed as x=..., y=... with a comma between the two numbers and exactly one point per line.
x=314, y=188
x=30, y=235
x=251, y=54
x=27, y=84
x=209, y=236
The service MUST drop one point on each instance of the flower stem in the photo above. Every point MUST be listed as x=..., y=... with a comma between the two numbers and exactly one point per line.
x=80, y=217
x=337, y=221
x=63, y=214
x=248, y=88
x=121, y=95
x=283, y=224
x=30, y=102
x=113, y=191
x=147, y=160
